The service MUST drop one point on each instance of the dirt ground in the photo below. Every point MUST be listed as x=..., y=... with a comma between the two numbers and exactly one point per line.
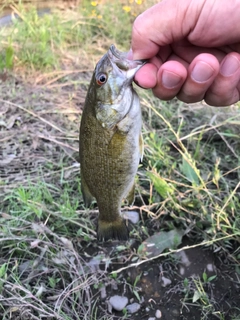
x=39, y=132
x=162, y=286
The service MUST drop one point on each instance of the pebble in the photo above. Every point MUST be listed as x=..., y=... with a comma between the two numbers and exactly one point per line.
x=118, y=302
x=210, y=267
x=182, y=271
x=158, y=314
x=134, y=307
x=183, y=258
x=103, y=293
x=165, y=281
x=133, y=216
x=94, y=263
x=152, y=318
x=114, y=285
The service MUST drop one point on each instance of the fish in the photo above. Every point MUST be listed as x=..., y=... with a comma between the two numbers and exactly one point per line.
x=110, y=141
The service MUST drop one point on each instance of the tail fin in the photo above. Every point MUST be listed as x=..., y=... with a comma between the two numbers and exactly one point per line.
x=112, y=230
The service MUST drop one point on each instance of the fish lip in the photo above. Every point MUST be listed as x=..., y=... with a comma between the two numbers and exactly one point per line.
x=123, y=63
x=118, y=54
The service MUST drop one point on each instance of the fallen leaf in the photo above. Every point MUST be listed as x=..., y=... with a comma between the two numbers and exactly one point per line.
x=11, y=121
x=7, y=159
x=3, y=76
x=159, y=242
x=196, y=296
x=35, y=243
x=6, y=216
x=68, y=244
x=162, y=187
x=189, y=171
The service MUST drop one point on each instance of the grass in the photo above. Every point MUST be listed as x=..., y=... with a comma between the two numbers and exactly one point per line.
x=42, y=42
x=51, y=265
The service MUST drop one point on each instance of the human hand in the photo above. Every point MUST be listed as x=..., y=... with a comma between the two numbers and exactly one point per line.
x=193, y=48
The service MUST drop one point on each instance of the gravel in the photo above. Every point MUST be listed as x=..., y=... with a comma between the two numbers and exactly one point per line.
x=134, y=307
x=118, y=302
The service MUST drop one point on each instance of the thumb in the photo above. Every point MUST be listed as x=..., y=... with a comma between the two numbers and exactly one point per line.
x=162, y=24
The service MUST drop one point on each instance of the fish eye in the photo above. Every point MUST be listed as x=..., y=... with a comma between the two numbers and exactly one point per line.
x=101, y=79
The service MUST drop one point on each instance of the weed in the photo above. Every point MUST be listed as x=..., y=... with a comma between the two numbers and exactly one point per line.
x=188, y=181
x=207, y=279
x=43, y=41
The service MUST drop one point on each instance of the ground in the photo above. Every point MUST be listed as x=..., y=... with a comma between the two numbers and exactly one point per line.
x=51, y=264
x=36, y=140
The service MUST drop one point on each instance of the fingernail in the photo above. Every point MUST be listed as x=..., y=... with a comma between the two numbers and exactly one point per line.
x=229, y=66
x=170, y=79
x=202, y=72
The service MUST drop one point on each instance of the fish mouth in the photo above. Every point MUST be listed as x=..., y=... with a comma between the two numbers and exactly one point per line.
x=123, y=63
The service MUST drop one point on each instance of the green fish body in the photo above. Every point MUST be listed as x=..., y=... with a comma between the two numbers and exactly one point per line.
x=110, y=141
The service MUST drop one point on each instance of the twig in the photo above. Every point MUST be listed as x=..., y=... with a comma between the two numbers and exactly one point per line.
x=170, y=252
x=33, y=114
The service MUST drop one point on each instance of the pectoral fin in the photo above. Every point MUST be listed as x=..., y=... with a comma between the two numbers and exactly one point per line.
x=131, y=195
x=87, y=196
x=141, y=147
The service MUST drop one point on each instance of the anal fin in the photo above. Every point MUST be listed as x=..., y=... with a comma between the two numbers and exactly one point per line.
x=141, y=147
x=131, y=195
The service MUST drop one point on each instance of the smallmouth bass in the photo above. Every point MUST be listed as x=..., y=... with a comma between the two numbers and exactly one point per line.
x=110, y=141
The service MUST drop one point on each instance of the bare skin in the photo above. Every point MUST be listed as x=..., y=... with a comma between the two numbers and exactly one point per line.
x=193, y=49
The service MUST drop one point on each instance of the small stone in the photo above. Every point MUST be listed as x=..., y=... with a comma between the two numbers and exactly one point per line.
x=181, y=271
x=134, y=307
x=114, y=285
x=183, y=258
x=103, y=293
x=158, y=314
x=210, y=267
x=165, y=281
x=133, y=216
x=152, y=318
x=175, y=312
x=94, y=263
x=118, y=302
